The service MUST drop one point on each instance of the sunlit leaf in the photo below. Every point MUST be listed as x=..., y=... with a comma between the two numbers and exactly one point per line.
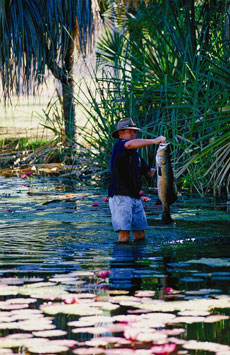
x=164, y=349
x=204, y=291
x=48, y=348
x=9, y=290
x=106, y=306
x=188, y=320
x=104, y=341
x=194, y=313
x=123, y=351
x=87, y=351
x=6, y=352
x=10, y=325
x=50, y=333
x=19, y=336
x=214, y=262
x=81, y=273
x=206, y=346
x=118, y=292
x=215, y=318
x=32, y=325
x=22, y=314
x=50, y=291
x=145, y=293
x=77, y=309
x=91, y=320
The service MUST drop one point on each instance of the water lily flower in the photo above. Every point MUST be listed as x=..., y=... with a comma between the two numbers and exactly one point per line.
x=168, y=290
x=163, y=349
x=105, y=199
x=131, y=333
x=145, y=198
x=95, y=204
x=26, y=174
x=103, y=274
x=71, y=300
x=141, y=193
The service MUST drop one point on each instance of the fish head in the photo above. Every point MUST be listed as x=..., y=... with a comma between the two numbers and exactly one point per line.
x=162, y=153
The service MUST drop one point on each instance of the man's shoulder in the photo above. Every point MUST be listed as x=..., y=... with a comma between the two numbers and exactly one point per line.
x=120, y=144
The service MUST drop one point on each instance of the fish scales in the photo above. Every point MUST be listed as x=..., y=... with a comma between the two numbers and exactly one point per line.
x=165, y=181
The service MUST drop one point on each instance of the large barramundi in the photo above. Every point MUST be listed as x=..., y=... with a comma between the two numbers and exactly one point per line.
x=165, y=181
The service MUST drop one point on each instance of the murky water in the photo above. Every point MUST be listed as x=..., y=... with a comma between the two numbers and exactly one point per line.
x=45, y=231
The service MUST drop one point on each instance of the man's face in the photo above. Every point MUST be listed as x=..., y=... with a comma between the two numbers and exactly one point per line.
x=127, y=134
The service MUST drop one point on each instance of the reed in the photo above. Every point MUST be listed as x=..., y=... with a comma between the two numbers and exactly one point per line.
x=170, y=83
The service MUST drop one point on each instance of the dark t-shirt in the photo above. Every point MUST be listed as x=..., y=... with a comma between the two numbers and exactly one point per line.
x=127, y=168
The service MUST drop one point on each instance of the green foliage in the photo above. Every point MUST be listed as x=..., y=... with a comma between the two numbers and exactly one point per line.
x=22, y=143
x=168, y=68
x=36, y=35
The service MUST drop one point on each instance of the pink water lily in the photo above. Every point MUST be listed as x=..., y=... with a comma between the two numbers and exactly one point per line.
x=103, y=274
x=131, y=333
x=141, y=193
x=168, y=290
x=95, y=204
x=145, y=198
x=71, y=300
x=105, y=199
x=26, y=174
x=163, y=349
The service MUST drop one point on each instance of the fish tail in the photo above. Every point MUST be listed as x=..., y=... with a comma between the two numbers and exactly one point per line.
x=166, y=218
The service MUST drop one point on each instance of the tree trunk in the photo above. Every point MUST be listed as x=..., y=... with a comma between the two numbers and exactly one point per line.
x=67, y=92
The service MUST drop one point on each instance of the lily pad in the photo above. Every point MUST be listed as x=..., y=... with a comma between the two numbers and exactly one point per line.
x=50, y=333
x=9, y=290
x=90, y=330
x=88, y=351
x=214, y=262
x=77, y=309
x=206, y=346
x=91, y=320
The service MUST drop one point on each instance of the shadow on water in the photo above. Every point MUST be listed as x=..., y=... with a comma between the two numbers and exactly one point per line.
x=49, y=227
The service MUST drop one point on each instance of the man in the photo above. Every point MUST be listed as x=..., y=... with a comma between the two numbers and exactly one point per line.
x=127, y=168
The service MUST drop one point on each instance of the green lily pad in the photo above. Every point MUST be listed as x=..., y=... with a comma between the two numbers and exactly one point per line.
x=206, y=346
x=50, y=333
x=77, y=309
x=9, y=290
x=214, y=262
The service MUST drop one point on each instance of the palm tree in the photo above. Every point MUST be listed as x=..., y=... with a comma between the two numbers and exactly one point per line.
x=36, y=35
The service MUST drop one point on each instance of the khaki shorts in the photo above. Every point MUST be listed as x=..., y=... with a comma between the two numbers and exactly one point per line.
x=127, y=213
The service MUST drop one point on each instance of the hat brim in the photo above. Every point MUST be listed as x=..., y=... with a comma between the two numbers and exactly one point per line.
x=116, y=135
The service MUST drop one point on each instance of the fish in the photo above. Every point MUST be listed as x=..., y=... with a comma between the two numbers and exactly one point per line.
x=165, y=181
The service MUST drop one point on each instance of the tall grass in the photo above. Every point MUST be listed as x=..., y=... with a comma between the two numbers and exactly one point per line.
x=169, y=86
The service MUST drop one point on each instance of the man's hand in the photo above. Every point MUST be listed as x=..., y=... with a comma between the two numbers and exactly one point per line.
x=160, y=139
x=151, y=172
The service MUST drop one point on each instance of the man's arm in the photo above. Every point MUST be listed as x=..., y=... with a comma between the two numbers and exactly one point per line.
x=139, y=143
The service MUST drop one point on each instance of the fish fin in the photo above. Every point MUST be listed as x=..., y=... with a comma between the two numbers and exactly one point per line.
x=171, y=196
x=166, y=218
x=158, y=202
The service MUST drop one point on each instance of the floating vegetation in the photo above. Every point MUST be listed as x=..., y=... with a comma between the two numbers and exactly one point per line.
x=153, y=332
x=66, y=287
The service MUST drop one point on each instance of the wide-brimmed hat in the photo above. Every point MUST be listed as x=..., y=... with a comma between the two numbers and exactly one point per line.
x=125, y=123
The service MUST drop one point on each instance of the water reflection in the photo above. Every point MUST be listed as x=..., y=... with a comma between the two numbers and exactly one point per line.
x=45, y=232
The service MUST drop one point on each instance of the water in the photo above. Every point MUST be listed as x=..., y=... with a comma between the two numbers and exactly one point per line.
x=46, y=232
